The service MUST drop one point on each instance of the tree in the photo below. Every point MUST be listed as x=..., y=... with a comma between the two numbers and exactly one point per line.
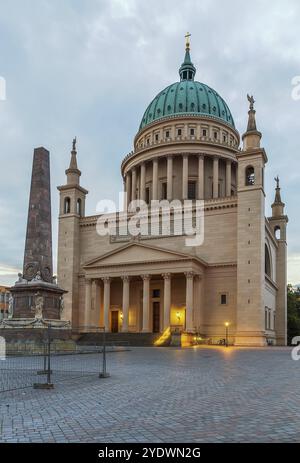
x=293, y=313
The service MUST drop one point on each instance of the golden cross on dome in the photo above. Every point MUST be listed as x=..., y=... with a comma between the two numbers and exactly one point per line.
x=187, y=40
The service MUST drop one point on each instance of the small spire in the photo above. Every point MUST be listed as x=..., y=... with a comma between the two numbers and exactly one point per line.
x=73, y=173
x=73, y=162
x=74, y=144
x=251, y=120
x=187, y=70
x=278, y=205
x=277, y=190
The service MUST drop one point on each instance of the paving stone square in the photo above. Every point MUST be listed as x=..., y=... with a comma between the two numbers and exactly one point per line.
x=165, y=395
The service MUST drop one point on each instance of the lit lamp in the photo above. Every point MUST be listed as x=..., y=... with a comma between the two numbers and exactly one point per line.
x=226, y=338
x=178, y=316
x=121, y=316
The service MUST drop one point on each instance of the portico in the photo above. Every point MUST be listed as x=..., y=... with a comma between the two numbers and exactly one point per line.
x=144, y=295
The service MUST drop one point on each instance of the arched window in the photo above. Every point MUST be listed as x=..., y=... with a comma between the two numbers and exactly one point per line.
x=277, y=232
x=78, y=207
x=268, y=268
x=250, y=176
x=67, y=206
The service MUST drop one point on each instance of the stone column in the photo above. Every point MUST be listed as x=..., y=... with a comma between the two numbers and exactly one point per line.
x=128, y=189
x=170, y=178
x=133, y=184
x=97, y=302
x=189, y=322
x=143, y=181
x=146, y=303
x=106, y=302
x=155, y=179
x=201, y=176
x=185, y=175
x=216, y=177
x=167, y=299
x=125, y=303
x=88, y=301
x=228, y=178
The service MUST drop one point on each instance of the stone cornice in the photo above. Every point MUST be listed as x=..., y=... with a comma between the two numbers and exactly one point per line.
x=209, y=205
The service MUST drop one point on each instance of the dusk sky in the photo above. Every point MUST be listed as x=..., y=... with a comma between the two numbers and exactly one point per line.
x=90, y=68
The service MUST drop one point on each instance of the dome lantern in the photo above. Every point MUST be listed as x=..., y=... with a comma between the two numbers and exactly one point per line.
x=187, y=70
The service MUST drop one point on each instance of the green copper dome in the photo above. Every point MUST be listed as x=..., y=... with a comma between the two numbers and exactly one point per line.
x=187, y=98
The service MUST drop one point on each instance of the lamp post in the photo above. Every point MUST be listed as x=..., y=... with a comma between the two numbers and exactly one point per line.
x=226, y=333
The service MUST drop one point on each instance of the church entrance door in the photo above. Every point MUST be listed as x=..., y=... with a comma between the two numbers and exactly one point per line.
x=115, y=321
x=156, y=317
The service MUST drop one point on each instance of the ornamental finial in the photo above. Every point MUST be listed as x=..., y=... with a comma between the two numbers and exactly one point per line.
x=277, y=182
x=251, y=101
x=74, y=144
x=187, y=40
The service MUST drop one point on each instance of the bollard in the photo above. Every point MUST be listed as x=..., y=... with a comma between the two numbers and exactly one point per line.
x=48, y=384
x=104, y=373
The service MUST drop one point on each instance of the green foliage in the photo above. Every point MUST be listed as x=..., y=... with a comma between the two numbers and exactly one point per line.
x=293, y=313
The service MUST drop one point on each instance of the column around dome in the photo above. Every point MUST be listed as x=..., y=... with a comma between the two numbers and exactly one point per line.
x=185, y=174
x=155, y=179
x=228, y=178
x=200, y=176
x=215, y=177
x=143, y=181
x=170, y=178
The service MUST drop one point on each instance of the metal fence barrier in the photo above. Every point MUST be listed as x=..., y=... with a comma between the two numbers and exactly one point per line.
x=42, y=365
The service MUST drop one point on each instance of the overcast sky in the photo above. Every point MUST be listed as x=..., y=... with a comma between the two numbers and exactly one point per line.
x=90, y=68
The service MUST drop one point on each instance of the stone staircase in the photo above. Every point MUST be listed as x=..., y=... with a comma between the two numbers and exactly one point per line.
x=129, y=339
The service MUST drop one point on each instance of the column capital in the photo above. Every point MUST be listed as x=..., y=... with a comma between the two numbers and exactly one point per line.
x=106, y=279
x=189, y=275
x=88, y=280
x=200, y=155
x=146, y=277
x=166, y=276
x=125, y=278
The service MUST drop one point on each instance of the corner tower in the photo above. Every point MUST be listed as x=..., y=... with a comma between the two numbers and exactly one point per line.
x=278, y=223
x=72, y=208
x=251, y=236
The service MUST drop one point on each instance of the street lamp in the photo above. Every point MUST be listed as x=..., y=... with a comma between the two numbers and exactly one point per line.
x=226, y=338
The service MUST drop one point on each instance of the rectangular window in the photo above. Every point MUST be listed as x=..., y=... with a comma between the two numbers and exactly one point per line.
x=156, y=293
x=192, y=190
x=179, y=132
x=156, y=137
x=164, y=190
x=223, y=299
x=192, y=132
x=204, y=132
x=167, y=134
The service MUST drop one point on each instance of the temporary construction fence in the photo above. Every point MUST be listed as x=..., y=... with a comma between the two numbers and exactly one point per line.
x=44, y=365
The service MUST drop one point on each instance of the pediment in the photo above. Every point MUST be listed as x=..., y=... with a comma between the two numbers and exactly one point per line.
x=138, y=253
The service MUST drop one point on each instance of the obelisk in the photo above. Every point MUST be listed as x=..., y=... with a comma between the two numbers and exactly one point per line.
x=38, y=245
x=36, y=295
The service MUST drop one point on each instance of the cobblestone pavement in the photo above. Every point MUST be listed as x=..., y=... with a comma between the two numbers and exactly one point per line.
x=165, y=395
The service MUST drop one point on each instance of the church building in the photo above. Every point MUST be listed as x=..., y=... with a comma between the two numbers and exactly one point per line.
x=187, y=148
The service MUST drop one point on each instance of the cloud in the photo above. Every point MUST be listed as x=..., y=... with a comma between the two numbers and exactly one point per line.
x=91, y=68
